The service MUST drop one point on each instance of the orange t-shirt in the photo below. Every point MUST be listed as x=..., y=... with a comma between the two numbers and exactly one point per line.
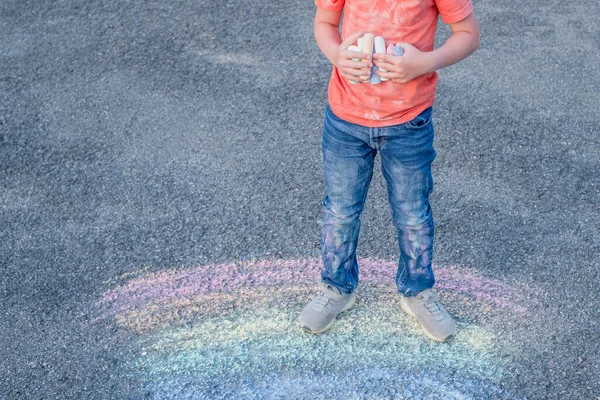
x=410, y=21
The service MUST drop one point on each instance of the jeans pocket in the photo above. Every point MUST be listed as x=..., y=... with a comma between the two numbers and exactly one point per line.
x=420, y=120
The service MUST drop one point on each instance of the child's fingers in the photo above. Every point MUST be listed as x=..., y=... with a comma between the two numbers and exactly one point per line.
x=348, y=55
x=353, y=78
x=351, y=39
x=384, y=65
x=387, y=58
x=349, y=63
x=358, y=64
x=386, y=74
x=354, y=72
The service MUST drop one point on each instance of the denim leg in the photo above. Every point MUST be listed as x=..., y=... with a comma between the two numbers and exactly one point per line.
x=348, y=168
x=406, y=156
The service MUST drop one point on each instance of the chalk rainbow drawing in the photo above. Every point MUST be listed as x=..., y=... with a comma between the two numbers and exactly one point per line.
x=230, y=331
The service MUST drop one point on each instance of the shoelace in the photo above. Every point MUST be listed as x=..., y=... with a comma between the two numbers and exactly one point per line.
x=322, y=301
x=435, y=310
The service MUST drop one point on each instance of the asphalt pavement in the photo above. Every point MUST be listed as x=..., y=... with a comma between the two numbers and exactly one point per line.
x=160, y=205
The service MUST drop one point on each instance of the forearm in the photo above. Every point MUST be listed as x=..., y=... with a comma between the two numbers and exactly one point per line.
x=328, y=39
x=327, y=36
x=458, y=47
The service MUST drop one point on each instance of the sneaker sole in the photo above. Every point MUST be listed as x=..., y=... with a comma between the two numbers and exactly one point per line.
x=407, y=310
x=346, y=308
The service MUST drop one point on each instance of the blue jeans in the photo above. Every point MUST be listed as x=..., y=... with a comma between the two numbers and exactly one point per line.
x=349, y=152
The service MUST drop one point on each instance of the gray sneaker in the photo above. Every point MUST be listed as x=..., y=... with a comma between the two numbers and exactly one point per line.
x=435, y=321
x=319, y=315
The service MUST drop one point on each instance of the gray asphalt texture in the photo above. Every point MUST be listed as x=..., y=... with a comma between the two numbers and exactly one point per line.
x=159, y=134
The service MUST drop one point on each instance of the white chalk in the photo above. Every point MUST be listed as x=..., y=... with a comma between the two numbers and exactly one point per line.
x=379, y=48
x=379, y=44
x=359, y=42
x=357, y=49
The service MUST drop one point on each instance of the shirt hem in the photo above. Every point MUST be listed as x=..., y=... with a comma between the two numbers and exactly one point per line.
x=371, y=123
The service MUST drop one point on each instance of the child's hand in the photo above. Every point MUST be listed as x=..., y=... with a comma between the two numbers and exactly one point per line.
x=349, y=69
x=403, y=68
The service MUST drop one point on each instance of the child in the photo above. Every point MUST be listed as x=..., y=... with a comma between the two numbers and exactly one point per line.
x=393, y=118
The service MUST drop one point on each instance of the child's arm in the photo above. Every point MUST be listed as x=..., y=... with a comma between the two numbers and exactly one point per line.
x=328, y=39
x=463, y=42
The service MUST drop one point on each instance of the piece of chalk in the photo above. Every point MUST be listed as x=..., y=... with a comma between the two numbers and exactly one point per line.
x=357, y=49
x=379, y=44
x=368, y=47
x=397, y=50
x=379, y=48
x=367, y=43
x=375, y=79
x=359, y=42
